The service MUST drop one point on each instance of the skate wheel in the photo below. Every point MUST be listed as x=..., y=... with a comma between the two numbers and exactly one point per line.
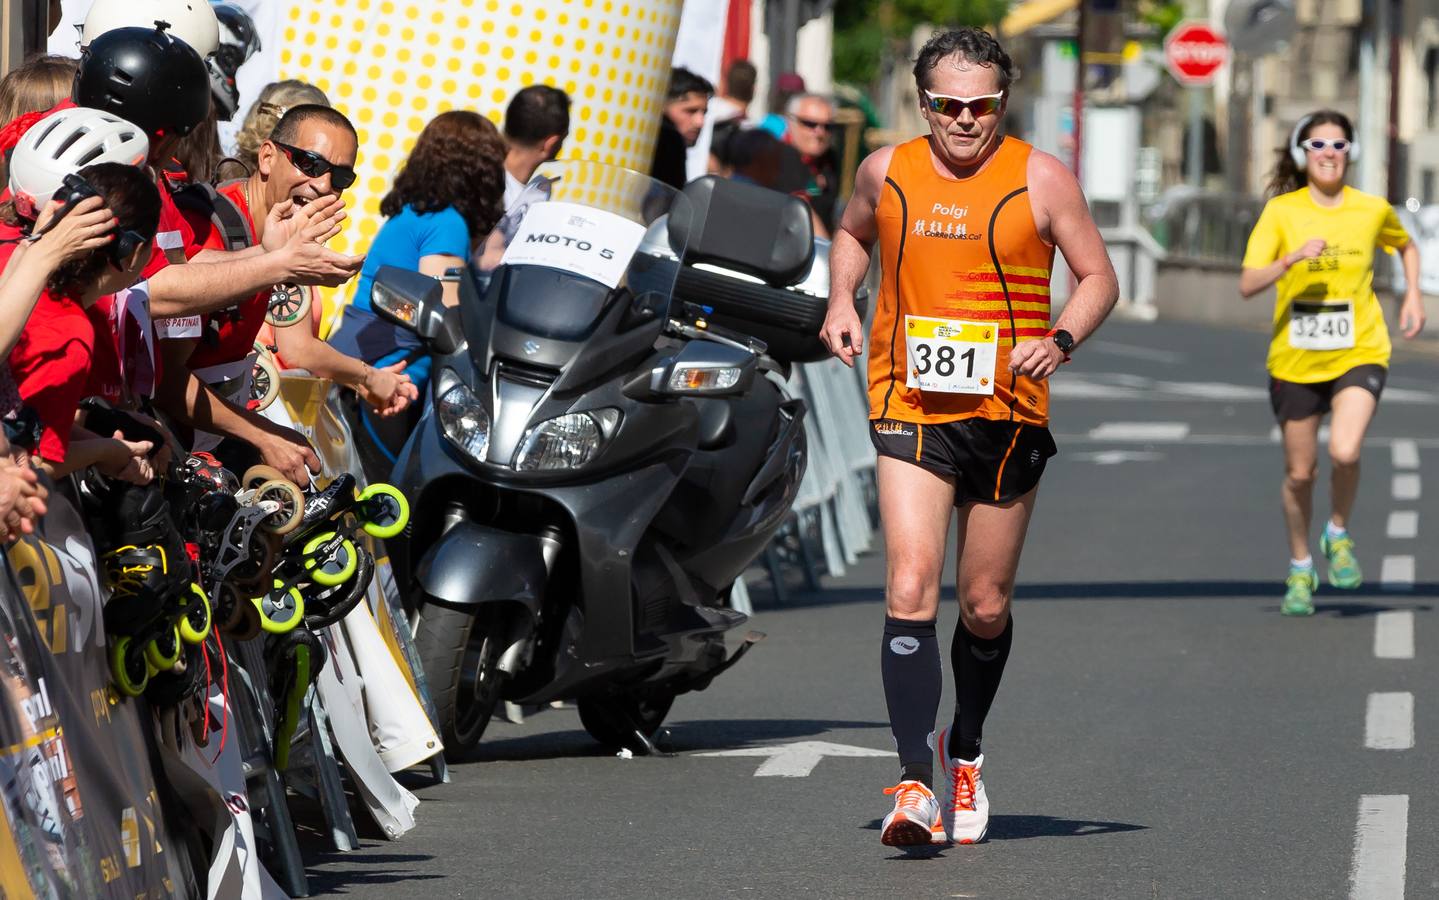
x=264, y=381
x=194, y=626
x=128, y=667
x=335, y=567
x=289, y=303
x=249, y=622
x=281, y=609
x=384, y=509
x=229, y=607
x=258, y=475
x=292, y=506
x=164, y=651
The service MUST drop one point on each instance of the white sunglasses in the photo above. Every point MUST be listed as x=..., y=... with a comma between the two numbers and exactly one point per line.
x=951, y=107
x=1319, y=145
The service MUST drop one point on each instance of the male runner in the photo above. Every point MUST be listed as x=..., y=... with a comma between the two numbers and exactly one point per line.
x=967, y=220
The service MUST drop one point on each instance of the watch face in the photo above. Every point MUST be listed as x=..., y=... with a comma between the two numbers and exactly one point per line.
x=1064, y=340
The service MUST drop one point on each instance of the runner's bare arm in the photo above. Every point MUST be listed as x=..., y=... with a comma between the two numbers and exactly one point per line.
x=1252, y=281
x=849, y=256
x=1062, y=216
x=1411, y=312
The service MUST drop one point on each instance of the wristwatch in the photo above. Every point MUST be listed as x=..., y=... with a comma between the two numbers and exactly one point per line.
x=1063, y=340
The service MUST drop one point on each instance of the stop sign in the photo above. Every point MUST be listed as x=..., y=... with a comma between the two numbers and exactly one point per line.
x=1194, y=51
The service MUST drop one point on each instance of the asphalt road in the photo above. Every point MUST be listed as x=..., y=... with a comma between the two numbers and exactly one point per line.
x=1161, y=731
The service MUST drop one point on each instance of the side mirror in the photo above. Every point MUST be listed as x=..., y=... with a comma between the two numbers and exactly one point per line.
x=416, y=302
x=705, y=368
x=410, y=300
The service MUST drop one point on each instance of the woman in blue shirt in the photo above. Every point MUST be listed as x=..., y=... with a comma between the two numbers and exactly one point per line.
x=445, y=199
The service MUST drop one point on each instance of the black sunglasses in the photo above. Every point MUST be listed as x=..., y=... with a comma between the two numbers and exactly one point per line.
x=313, y=165
x=814, y=125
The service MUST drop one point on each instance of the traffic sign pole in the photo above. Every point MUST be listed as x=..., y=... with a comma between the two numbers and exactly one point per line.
x=1194, y=52
x=1196, y=137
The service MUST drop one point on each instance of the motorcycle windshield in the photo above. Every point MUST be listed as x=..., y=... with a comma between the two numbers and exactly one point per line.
x=580, y=233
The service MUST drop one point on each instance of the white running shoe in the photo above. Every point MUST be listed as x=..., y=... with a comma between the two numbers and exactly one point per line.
x=966, y=807
x=915, y=819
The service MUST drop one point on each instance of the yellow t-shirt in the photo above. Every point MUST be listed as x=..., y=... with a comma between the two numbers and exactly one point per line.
x=1327, y=319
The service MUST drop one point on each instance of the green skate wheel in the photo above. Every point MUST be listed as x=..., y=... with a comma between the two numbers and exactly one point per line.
x=384, y=509
x=336, y=567
x=195, y=625
x=281, y=609
x=164, y=651
x=128, y=667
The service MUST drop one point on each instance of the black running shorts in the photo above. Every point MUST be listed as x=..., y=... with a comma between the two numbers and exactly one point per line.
x=1292, y=400
x=988, y=461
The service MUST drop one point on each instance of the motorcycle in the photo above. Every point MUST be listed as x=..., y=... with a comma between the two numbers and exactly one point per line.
x=601, y=459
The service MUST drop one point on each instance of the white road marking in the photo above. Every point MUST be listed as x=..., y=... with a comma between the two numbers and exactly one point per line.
x=1122, y=386
x=1389, y=721
x=1394, y=634
x=1403, y=524
x=1406, y=453
x=1116, y=349
x=1115, y=457
x=1169, y=432
x=1381, y=840
x=798, y=759
x=1396, y=573
x=1406, y=486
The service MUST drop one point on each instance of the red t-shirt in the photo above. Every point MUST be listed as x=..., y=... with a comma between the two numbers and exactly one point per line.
x=125, y=364
x=51, y=366
x=226, y=335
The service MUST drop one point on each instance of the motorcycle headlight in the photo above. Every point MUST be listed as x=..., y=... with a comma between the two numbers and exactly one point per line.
x=566, y=442
x=464, y=420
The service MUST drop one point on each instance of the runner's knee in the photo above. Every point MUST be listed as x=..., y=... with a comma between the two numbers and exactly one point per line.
x=1344, y=454
x=912, y=596
x=1301, y=476
x=985, y=607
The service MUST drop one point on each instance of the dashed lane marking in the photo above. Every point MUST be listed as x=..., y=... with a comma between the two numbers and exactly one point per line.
x=1394, y=634
x=1406, y=486
x=1381, y=839
x=1403, y=525
x=1389, y=721
x=1406, y=453
x=1158, y=432
x=1396, y=573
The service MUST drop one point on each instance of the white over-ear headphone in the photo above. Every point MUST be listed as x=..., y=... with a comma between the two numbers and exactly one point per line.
x=1298, y=154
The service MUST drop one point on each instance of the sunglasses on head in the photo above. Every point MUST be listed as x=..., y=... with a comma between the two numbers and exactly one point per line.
x=313, y=165
x=813, y=124
x=951, y=107
x=1319, y=145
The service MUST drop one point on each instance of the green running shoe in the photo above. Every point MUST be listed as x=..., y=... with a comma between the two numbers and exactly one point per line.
x=1343, y=567
x=1299, y=590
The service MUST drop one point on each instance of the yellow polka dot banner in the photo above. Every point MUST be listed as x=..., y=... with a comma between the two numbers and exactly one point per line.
x=391, y=66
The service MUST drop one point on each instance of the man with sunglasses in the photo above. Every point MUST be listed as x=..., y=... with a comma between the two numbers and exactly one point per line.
x=967, y=220
x=810, y=172
x=308, y=161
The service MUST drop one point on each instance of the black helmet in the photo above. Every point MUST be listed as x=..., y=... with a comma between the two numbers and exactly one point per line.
x=145, y=76
x=238, y=42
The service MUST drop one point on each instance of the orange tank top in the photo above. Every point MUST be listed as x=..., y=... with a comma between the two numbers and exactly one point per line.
x=963, y=251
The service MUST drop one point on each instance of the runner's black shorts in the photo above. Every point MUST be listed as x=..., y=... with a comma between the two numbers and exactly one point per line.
x=1293, y=400
x=988, y=461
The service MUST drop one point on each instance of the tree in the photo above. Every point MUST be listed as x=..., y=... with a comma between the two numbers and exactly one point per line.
x=868, y=31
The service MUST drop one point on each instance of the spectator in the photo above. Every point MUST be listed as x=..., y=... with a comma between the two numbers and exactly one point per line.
x=812, y=172
x=537, y=121
x=445, y=199
x=680, y=126
x=274, y=101
x=733, y=103
x=786, y=87
x=755, y=156
x=34, y=86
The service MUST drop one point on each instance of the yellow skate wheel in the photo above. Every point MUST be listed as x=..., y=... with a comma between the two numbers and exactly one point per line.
x=128, y=667
x=194, y=626
x=281, y=609
x=164, y=651
x=258, y=475
x=384, y=509
x=335, y=570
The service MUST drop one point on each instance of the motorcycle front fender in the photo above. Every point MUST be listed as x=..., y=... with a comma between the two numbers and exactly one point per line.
x=471, y=565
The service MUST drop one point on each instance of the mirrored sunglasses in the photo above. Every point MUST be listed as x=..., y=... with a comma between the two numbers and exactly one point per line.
x=951, y=107
x=313, y=165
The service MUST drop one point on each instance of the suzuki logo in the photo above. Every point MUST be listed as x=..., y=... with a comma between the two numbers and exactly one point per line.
x=531, y=348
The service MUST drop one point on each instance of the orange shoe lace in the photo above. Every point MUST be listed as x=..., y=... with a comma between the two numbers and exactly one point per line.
x=963, y=796
x=911, y=794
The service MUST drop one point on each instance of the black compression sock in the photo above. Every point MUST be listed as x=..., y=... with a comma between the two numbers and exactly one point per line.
x=978, y=665
x=909, y=667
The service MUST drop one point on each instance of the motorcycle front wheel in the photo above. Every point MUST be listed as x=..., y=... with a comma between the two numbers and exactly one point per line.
x=460, y=651
x=612, y=719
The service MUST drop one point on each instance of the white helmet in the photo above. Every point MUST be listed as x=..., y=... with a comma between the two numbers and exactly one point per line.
x=192, y=21
x=64, y=143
